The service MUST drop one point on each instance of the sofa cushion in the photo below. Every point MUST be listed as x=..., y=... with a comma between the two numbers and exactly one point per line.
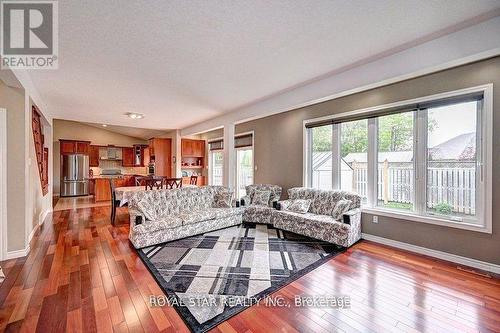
x=197, y=216
x=323, y=201
x=261, y=198
x=300, y=206
x=340, y=208
x=151, y=226
x=305, y=218
x=275, y=191
x=223, y=199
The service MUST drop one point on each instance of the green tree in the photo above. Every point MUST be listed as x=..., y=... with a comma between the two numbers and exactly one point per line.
x=395, y=134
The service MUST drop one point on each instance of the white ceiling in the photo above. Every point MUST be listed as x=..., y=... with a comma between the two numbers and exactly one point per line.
x=182, y=62
x=136, y=132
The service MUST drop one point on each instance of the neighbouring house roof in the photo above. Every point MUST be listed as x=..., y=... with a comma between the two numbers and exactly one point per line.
x=323, y=161
x=462, y=147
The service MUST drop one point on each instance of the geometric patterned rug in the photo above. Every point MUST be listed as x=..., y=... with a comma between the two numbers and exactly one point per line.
x=211, y=277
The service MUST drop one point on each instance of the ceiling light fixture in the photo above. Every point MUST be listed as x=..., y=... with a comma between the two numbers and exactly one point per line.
x=134, y=115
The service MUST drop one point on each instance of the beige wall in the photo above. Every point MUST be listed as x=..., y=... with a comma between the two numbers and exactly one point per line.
x=278, y=155
x=72, y=130
x=13, y=100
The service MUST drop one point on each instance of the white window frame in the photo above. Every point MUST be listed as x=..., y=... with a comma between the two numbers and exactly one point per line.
x=484, y=161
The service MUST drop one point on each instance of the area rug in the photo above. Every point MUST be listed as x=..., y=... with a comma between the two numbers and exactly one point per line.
x=210, y=277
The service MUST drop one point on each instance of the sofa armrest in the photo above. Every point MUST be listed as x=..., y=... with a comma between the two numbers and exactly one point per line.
x=136, y=217
x=352, y=216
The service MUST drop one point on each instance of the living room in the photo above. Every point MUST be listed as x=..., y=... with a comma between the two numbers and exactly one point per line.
x=251, y=166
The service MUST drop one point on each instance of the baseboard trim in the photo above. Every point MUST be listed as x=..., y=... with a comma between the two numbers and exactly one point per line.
x=18, y=253
x=43, y=216
x=483, y=265
x=24, y=252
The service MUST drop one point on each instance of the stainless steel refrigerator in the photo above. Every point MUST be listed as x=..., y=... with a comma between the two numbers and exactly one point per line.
x=74, y=175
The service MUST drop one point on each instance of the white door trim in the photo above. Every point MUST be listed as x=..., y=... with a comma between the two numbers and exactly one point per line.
x=3, y=184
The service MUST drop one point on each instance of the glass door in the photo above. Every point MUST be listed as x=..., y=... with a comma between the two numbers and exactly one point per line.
x=244, y=170
x=216, y=167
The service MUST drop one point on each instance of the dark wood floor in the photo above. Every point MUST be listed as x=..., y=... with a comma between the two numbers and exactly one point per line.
x=83, y=275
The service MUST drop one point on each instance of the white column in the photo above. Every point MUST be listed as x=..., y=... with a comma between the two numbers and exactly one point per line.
x=177, y=153
x=229, y=175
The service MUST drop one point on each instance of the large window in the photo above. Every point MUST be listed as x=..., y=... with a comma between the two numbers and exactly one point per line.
x=354, y=150
x=395, y=168
x=216, y=167
x=425, y=160
x=321, y=156
x=215, y=162
x=451, y=160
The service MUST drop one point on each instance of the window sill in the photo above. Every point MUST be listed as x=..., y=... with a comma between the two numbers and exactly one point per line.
x=426, y=219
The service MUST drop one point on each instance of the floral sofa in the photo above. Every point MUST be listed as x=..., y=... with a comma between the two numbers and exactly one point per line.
x=163, y=215
x=258, y=213
x=318, y=222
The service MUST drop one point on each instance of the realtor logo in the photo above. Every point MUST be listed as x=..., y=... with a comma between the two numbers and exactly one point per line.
x=29, y=35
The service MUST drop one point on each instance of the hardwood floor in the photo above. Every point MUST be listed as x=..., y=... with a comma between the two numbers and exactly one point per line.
x=83, y=275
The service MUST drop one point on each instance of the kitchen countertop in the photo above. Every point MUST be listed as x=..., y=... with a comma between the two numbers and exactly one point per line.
x=117, y=176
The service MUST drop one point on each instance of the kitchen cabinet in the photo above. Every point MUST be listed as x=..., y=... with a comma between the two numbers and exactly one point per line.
x=74, y=147
x=94, y=156
x=161, y=149
x=192, y=148
x=128, y=157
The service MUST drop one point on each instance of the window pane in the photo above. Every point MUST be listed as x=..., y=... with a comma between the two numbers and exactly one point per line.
x=321, y=159
x=395, y=177
x=216, y=166
x=354, y=162
x=451, y=160
x=244, y=169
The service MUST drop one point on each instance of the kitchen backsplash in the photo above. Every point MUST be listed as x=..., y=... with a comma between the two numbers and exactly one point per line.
x=118, y=165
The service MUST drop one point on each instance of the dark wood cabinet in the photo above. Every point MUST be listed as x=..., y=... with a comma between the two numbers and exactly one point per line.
x=161, y=152
x=94, y=156
x=74, y=147
x=192, y=148
x=128, y=157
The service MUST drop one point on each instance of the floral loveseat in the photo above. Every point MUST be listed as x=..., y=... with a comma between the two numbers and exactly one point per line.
x=260, y=213
x=163, y=215
x=318, y=221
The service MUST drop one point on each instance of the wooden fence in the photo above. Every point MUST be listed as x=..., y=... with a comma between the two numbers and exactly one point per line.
x=453, y=185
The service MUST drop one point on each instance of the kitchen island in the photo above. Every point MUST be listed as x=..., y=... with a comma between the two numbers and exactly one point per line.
x=101, y=187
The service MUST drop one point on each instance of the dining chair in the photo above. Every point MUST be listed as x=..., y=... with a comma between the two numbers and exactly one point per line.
x=171, y=183
x=193, y=180
x=113, y=201
x=140, y=181
x=154, y=183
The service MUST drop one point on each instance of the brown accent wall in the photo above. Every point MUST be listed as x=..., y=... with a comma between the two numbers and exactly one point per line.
x=279, y=144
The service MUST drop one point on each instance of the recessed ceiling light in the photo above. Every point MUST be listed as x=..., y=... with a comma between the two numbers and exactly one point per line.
x=104, y=125
x=134, y=115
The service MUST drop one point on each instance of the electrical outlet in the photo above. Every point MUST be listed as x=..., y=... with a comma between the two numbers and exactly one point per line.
x=375, y=219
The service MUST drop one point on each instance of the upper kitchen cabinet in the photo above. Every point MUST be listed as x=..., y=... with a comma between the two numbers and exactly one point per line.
x=128, y=156
x=160, y=150
x=94, y=156
x=74, y=147
x=192, y=148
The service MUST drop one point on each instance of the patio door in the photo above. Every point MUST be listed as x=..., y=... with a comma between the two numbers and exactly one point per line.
x=244, y=169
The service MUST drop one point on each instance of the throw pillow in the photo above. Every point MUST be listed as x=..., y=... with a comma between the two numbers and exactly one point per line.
x=261, y=198
x=300, y=206
x=223, y=199
x=342, y=206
